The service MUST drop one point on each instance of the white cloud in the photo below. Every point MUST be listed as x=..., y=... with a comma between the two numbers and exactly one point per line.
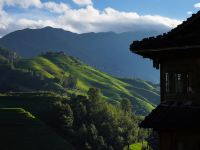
x=189, y=12
x=51, y=6
x=90, y=19
x=22, y=3
x=197, y=5
x=27, y=23
x=4, y=19
x=87, y=19
x=83, y=2
x=55, y=7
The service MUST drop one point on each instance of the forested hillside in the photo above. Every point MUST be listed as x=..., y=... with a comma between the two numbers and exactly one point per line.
x=86, y=122
x=66, y=75
x=82, y=107
x=21, y=130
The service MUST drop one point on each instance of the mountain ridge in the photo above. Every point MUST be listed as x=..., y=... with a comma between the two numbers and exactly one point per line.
x=106, y=51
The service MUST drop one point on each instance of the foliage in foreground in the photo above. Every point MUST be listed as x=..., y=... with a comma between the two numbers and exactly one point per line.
x=20, y=130
x=136, y=146
x=91, y=123
x=87, y=122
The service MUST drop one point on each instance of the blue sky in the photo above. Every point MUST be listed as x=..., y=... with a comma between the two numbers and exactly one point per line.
x=171, y=8
x=82, y=16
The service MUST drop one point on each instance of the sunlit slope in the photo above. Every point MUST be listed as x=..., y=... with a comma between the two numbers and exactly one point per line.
x=20, y=130
x=143, y=95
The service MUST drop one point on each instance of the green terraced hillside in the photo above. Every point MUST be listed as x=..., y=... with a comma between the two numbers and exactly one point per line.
x=51, y=66
x=7, y=56
x=20, y=130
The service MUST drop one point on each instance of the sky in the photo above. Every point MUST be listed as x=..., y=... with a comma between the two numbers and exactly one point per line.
x=82, y=16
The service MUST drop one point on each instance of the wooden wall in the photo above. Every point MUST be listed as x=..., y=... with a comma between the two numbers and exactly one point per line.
x=189, y=67
x=179, y=140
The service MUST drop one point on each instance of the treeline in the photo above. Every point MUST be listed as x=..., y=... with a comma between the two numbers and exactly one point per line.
x=87, y=122
x=7, y=57
x=91, y=123
x=17, y=80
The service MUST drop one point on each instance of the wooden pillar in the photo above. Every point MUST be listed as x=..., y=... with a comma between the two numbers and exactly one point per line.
x=162, y=83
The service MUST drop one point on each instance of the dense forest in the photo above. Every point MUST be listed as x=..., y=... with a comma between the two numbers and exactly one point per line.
x=87, y=108
x=87, y=122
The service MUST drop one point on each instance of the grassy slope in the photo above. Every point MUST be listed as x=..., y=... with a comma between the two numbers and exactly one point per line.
x=138, y=146
x=142, y=94
x=21, y=130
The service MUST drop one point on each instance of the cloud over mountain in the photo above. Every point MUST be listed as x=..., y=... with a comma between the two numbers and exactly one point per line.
x=79, y=20
x=83, y=2
x=21, y=3
x=197, y=5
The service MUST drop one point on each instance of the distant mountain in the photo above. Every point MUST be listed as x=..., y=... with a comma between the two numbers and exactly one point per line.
x=108, y=52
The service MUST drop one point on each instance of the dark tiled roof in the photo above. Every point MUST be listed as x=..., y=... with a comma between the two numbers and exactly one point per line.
x=173, y=115
x=185, y=35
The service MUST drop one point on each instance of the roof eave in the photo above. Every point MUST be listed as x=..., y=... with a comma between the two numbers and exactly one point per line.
x=161, y=53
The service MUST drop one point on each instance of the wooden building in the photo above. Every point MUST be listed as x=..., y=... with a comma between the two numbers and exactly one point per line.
x=177, y=54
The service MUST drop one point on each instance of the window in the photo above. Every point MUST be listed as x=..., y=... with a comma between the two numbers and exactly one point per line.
x=167, y=82
x=189, y=88
x=177, y=82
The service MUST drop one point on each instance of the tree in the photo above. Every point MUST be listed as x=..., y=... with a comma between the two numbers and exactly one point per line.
x=61, y=115
x=67, y=117
x=70, y=82
x=126, y=105
x=119, y=142
x=97, y=124
x=94, y=94
x=100, y=144
x=92, y=133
